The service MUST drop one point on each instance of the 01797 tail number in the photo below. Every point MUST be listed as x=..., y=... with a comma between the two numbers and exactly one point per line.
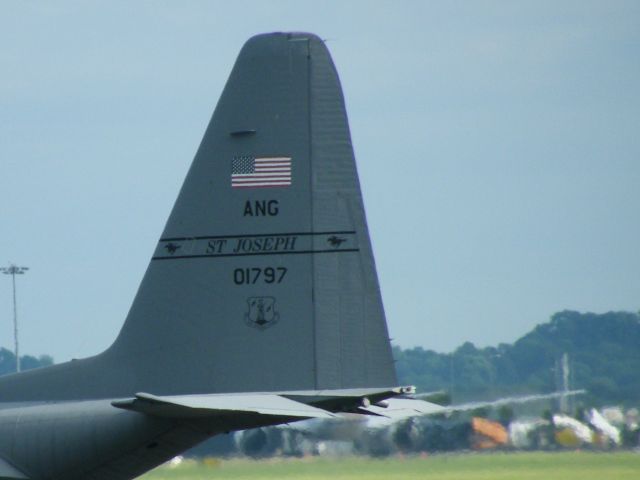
x=253, y=275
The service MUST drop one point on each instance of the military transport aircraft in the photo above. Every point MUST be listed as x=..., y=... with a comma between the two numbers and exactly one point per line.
x=260, y=305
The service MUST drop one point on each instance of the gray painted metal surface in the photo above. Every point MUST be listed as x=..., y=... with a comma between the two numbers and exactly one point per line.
x=263, y=281
x=9, y=472
x=193, y=406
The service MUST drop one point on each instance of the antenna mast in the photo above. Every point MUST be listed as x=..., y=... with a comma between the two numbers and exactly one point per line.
x=14, y=270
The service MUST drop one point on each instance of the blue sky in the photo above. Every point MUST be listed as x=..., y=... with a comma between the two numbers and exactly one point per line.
x=498, y=145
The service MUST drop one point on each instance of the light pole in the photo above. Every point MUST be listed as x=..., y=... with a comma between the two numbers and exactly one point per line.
x=14, y=270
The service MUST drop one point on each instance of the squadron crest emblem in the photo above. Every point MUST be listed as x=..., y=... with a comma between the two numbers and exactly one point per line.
x=261, y=312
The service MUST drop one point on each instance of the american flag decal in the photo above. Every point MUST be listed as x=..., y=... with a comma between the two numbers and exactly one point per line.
x=252, y=172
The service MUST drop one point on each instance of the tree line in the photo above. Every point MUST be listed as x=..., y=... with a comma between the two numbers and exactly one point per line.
x=603, y=352
x=27, y=362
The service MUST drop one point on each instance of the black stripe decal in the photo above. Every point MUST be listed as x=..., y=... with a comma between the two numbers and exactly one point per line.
x=182, y=257
x=255, y=235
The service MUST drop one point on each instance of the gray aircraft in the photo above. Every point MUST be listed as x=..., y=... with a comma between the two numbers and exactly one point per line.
x=260, y=305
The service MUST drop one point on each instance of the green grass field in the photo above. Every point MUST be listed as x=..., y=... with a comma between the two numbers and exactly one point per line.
x=495, y=466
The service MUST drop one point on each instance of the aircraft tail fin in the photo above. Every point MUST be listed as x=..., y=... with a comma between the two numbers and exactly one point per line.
x=264, y=277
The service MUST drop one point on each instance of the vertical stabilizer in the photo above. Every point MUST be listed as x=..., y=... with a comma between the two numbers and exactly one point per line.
x=264, y=277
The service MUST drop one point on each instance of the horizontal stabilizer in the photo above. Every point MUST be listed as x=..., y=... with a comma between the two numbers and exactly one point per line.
x=9, y=472
x=346, y=400
x=511, y=400
x=399, y=408
x=190, y=406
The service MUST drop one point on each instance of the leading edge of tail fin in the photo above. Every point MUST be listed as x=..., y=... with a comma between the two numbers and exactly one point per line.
x=264, y=277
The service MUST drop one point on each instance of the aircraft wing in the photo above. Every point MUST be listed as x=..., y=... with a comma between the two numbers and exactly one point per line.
x=9, y=472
